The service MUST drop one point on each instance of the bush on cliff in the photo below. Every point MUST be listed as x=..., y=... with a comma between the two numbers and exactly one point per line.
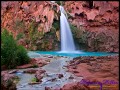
x=12, y=54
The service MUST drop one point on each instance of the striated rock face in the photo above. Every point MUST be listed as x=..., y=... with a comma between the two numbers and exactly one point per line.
x=31, y=19
x=96, y=21
x=100, y=22
x=42, y=12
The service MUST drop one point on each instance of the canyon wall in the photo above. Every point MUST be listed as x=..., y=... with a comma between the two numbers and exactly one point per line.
x=29, y=21
x=94, y=24
x=42, y=12
x=98, y=22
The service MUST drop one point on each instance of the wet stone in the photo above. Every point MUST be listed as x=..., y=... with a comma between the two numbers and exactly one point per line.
x=71, y=77
x=53, y=79
x=30, y=71
x=50, y=56
x=74, y=67
x=75, y=72
x=47, y=88
x=32, y=83
x=12, y=71
x=60, y=75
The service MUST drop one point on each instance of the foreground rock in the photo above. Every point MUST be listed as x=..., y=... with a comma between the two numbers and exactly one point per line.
x=40, y=61
x=34, y=63
x=75, y=86
x=39, y=75
x=96, y=69
x=80, y=86
x=8, y=81
x=25, y=66
x=30, y=71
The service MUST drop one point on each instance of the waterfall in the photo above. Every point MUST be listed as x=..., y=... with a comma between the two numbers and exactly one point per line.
x=67, y=42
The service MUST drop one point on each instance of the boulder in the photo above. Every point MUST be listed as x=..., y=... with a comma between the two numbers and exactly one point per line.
x=39, y=75
x=7, y=81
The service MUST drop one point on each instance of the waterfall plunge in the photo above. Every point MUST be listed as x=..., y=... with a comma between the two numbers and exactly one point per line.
x=67, y=42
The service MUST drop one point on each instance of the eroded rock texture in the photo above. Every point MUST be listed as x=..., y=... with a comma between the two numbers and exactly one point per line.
x=8, y=81
x=41, y=12
x=32, y=18
x=96, y=21
x=100, y=22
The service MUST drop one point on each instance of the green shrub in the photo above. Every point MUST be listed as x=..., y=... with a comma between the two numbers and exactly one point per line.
x=56, y=25
x=60, y=3
x=19, y=36
x=34, y=79
x=33, y=35
x=35, y=66
x=75, y=31
x=12, y=55
x=8, y=48
x=22, y=57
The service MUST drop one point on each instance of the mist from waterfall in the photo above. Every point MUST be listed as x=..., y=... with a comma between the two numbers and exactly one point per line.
x=67, y=42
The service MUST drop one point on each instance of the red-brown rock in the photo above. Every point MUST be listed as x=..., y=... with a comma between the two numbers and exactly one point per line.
x=25, y=66
x=24, y=10
x=7, y=81
x=31, y=71
x=39, y=75
x=95, y=18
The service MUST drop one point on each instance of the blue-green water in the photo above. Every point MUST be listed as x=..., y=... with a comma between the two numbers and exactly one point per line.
x=77, y=54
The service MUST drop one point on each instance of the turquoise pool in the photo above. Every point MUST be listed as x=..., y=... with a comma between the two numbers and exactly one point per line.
x=77, y=54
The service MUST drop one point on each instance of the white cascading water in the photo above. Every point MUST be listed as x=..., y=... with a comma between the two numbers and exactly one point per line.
x=67, y=42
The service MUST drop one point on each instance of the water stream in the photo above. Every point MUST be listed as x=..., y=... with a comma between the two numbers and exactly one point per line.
x=67, y=42
x=53, y=69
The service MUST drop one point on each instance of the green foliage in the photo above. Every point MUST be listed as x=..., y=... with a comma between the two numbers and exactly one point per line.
x=88, y=39
x=56, y=25
x=76, y=32
x=35, y=66
x=34, y=79
x=31, y=29
x=12, y=54
x=58, y=2
x=80, y=36
x=69, y=10
x=49, y=41
x=8, y=48
x=22, y=57
x=16, y=79
x=19, y=36
x=19, y=25
x=34, y=35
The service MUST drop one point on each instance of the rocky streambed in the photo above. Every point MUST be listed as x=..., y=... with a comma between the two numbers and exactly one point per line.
x=50, y=73
x=47, y=72
x=53, y=75
x=97, y=72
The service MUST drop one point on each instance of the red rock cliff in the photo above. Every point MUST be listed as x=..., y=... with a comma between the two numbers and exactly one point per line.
x=42, y=12
x=100, y=19
x=31, y=19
